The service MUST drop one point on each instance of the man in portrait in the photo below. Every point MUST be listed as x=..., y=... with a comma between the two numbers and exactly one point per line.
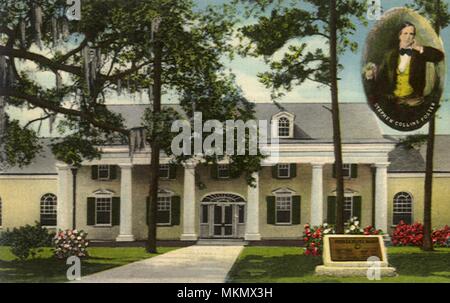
x=400, y=79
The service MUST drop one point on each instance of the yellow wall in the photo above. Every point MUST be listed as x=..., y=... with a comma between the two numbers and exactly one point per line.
x=21, y=199
x=301, y=185
x=415, y=186
x=362, y=185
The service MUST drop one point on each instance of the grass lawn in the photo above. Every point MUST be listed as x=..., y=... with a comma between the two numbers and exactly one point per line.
x=288, y=264
x=45, y=268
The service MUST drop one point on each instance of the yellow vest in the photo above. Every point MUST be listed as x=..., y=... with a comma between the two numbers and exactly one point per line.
x=402, y=87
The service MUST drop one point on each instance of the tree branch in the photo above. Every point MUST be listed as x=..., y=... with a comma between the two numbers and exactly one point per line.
x=62, y=110
x=37, y=119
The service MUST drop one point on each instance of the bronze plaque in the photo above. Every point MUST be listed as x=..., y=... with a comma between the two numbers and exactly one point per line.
x=354, y=248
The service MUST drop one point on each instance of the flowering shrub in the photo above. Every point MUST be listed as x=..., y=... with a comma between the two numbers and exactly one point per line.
x=353, y=227
x=70, y=243
x=313, y=236
x=405, y=234
x=441, y=237
x=370, y=230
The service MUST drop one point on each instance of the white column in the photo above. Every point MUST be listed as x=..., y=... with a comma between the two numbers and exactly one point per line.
x=189, y=233
x=317, y=194
x=381, y=201
x=64, y=197
x=126, y=198
x=252, y=217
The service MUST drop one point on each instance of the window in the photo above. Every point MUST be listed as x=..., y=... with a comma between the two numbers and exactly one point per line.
x=241, y=210
x=48, y=210
x=164, y=171
x=1, y=212
x=103, y=211
x=283, y=170
x=204, y=216
x=223, y=171
x=346, y=170
x=103, y=172
x=163, y=208
x=348, y=208
x=283, y=127
x=402, y=208
x=283, y=209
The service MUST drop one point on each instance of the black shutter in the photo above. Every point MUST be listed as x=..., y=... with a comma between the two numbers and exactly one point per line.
x=270, y=209
x=213, y=171
x=175, y=204
x=173, y=171
x=112, y=172
x=331, y=210
x=293, y=170
x=296, y=209
x=90, y=211
x=354, y=170
x=275, y=171
x=357, y=203
x=94, y=172
x=115, y=211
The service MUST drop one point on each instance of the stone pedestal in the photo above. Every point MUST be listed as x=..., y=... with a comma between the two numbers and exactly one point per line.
x=374, y=267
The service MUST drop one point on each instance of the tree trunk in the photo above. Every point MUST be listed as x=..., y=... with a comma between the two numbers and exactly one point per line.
x=336, y=120
x=427, y=205
x=155, y=149
x=427, y=242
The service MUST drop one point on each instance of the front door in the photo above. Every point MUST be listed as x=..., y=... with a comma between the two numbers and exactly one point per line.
x=223, y=220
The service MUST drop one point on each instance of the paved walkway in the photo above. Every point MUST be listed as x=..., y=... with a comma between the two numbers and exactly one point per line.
x=193, y=264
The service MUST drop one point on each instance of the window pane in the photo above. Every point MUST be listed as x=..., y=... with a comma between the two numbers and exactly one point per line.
x=283, y=216
x=164, y=171
x=241, y=214
x=283, y=170
x=283, y=127
x=103, y=210
x=163, y=217
x=204, y=213
x=223, y=171
x=402, y=208
x=103, y=171
x=48, y=210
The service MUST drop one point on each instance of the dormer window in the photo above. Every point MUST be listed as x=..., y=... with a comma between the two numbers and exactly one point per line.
x=283, y=125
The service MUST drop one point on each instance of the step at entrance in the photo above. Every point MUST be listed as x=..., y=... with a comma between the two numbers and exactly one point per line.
x=221, y=242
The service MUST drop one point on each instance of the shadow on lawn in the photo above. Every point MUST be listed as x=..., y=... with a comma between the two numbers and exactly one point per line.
x=48, y=269
x=273, y=267
x=423, y=264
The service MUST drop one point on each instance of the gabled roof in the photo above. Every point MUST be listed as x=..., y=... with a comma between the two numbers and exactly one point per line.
x=413, y=160
x=42, y=164
x=312, y=120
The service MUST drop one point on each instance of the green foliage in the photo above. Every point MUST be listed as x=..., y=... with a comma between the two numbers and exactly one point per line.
x=27, y=240
x=413, y=141
x=74, y=148
x=439, y=16
x=288, y=24
x=218, y=98
x=20, y=144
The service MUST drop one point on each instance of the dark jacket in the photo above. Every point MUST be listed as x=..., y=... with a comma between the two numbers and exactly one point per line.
x=387, y=77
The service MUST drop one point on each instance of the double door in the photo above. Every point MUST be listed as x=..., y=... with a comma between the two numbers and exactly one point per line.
x=223, y=225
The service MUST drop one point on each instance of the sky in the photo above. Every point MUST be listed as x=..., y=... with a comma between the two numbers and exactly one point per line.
x=246, y=70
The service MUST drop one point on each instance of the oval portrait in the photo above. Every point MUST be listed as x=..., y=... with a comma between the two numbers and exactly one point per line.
x=403, y=69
